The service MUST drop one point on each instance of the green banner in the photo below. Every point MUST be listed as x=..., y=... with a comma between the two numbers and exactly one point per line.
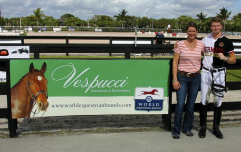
x=96, y=77
x=57, y=87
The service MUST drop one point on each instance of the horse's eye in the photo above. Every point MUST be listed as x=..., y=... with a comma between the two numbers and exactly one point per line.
x=31, y=83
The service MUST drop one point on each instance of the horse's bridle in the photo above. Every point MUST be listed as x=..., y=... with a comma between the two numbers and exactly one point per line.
x=34, y=97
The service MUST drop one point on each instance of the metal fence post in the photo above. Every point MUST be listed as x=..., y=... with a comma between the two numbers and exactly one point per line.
x=67, y=42
x=36, y=52
x=167, y=118
x=110, y=43
x=152, y=39
x=127, y=55
x=12, y=123
x=22, y=40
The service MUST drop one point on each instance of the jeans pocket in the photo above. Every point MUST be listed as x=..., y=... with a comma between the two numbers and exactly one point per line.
x=181, y=76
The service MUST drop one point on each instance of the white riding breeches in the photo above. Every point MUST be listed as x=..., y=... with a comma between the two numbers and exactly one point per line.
x=207, y=80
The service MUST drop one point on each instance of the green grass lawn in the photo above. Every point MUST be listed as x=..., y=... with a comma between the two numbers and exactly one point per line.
x=233, y=75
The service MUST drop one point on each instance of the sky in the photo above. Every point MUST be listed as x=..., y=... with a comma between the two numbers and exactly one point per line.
x=86, y=9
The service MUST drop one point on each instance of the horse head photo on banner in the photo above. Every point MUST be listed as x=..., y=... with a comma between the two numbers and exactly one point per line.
x=29, y=91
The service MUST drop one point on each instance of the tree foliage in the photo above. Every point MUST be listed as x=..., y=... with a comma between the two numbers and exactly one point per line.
x=201, y=18
x=103, y=21
x=2, y=21
x=123, y=20
x=74, y=21
x=38, y=15
x=236, y=16
x=183, y=20
x=29, y=21
x=65, y=16
x=121, y=17
x=50, y=21
x=224, y=15
x=14, y=21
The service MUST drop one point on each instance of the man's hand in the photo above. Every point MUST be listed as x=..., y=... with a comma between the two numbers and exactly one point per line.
x=222, y=57
x=176, y=45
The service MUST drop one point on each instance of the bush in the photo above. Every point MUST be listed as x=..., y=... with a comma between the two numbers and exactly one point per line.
x=23, y=33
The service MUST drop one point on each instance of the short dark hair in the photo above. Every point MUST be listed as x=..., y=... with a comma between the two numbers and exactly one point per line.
x=216, y=20
x=191, y=24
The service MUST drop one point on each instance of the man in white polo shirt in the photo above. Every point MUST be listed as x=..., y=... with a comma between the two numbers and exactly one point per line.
x=218, y=49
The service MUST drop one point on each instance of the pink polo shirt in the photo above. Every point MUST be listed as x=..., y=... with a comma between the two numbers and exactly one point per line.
x=190, y=59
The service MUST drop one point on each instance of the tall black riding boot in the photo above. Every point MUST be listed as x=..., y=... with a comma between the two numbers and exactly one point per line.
x=216, y=122
x=203, y=119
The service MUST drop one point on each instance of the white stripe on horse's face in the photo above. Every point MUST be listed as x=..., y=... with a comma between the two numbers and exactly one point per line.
x=40, y=78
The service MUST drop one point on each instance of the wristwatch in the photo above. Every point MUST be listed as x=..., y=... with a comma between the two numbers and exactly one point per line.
x=226, y=59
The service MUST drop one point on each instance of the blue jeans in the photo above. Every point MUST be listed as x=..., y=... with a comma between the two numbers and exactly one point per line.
x=189, y=88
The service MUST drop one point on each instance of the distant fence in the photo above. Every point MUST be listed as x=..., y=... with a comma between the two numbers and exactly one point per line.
x=232, y=33
x=149, y=42
x=87, y=28
x=104, y=29
x=127, y=49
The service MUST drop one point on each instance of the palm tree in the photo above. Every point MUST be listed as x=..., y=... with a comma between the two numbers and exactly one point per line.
x=122, y=16
x=38, y=14
x=224, y=15
x=201, y=17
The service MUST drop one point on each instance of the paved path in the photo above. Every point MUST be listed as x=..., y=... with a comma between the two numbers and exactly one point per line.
x=109, y=123
x=126, y=142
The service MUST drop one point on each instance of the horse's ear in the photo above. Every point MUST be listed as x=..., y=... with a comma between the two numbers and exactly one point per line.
x=44, y=66
x=31, y=68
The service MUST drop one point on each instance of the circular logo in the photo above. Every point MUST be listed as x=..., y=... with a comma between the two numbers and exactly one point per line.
x=149, y=99
x=221, y=44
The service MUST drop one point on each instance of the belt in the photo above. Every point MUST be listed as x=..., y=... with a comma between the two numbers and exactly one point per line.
x=188, y=74
x=214, y=69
